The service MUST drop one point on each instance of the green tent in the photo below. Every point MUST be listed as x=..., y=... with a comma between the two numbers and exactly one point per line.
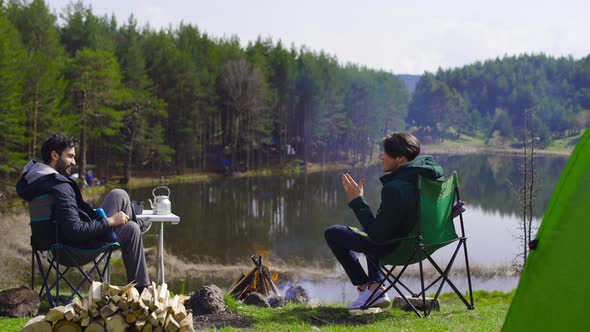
x=555, y=283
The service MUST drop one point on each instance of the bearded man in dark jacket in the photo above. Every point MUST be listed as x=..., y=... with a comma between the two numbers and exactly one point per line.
x=395, y=217
x=79, y=225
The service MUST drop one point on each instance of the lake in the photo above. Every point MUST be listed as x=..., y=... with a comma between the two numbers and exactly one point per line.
x=225, y=221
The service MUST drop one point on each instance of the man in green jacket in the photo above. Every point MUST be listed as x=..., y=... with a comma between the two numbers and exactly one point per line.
x=395, y=217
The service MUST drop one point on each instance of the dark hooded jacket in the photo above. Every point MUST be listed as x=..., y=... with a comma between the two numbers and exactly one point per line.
x=398, y=211
x=78, y=223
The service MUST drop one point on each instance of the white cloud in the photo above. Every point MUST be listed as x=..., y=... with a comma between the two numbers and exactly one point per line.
x=396, y=35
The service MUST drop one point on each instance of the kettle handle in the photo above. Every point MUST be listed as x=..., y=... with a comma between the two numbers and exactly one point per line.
x=161, y=187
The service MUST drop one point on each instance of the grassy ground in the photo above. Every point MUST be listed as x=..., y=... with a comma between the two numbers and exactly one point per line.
x=562, y=144
x=491, y=308
x=471, y=144
x=12, y=324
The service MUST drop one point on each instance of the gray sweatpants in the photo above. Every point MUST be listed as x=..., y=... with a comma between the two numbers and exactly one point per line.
x=129, y=237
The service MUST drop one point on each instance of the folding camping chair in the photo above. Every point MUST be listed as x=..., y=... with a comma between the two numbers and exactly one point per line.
x=49, y=254
x=434, y=229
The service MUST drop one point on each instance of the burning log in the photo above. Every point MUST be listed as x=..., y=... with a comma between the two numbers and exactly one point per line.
x=258, y=280
x=112, y=308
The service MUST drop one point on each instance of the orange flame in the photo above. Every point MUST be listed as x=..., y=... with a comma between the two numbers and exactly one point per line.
x=260, y=250
x=255, y=283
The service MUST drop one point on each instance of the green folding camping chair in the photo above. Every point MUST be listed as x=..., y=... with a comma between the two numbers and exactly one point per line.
x=434, y=229
x=50, y=254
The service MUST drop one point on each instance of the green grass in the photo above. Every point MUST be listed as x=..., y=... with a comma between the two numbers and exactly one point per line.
x=12, y=324
x=185, y=178
x=490, y=311
x=463, y=140
x=471, y=144
x=567, y=143
x=491, y=308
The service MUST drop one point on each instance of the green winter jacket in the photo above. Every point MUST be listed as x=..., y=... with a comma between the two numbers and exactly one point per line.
x=398, y=211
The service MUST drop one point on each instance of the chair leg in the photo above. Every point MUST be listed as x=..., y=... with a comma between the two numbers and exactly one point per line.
x=105, y=274
x=52, y=263
x=434, y=282
x=44, y=275
x=57, y=276
x=103, y=258
x=75, y=289
x=464, y=241
x=388, y=276
x=422, y=288
x=33, y=269
x=399, y=282
x=405, y=299
x=445, y=278
x=372, y=298
x=471, y=307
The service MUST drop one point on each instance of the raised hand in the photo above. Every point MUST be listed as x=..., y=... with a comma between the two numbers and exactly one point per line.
x=353, y=190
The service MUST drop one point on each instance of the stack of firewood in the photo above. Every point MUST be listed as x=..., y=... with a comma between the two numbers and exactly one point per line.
x=113, y=309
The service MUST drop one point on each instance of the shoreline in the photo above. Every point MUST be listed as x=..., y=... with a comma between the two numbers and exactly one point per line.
x=141, y=182
x=477, y=149
x=13, y=205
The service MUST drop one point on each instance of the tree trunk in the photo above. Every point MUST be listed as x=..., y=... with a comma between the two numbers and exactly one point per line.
x=34, y=134
x=129, y=160
x=82, y=158
x=234, y=150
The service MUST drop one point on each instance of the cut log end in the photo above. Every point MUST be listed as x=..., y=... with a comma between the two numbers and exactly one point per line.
x=37, y=324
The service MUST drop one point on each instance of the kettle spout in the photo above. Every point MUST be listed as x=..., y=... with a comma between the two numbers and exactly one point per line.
x=151, y=204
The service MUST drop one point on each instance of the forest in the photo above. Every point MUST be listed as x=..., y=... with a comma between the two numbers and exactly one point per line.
x=175, y=100
x=496, y=98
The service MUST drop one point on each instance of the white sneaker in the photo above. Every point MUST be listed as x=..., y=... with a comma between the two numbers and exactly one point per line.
x=382, y=300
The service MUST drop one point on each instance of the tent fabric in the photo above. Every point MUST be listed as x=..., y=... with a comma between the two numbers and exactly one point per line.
x=555, y=283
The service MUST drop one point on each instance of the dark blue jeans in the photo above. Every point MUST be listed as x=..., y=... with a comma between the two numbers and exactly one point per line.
x=345, y=243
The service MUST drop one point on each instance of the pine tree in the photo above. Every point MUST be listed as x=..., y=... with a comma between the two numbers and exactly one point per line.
x=12, y=113
x=95, y=92
x=43, y=88
x=143, y=111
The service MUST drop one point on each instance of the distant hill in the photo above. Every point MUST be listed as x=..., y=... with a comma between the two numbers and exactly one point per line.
x=410, y=81
x=504, y=96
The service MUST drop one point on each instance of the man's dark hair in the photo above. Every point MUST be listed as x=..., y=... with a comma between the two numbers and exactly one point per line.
x=401, y=143
x=57, y=143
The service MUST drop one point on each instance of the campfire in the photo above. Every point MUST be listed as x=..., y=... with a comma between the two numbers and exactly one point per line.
x=258, y=280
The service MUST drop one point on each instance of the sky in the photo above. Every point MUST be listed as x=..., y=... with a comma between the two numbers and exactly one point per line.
x=403, y=37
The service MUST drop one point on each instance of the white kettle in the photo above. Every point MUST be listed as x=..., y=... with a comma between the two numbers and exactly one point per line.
x=161, y=203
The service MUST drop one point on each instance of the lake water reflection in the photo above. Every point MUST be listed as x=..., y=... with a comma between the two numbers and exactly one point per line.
x=223, y=221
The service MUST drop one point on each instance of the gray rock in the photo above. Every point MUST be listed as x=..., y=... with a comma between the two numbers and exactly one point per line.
x=399, y=302
x=256, y=299
x=207, y=300
x=19, y=302
x=297, y=294
x=277, y=301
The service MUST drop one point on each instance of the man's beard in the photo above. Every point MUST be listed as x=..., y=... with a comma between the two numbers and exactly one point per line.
x=63, y=168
